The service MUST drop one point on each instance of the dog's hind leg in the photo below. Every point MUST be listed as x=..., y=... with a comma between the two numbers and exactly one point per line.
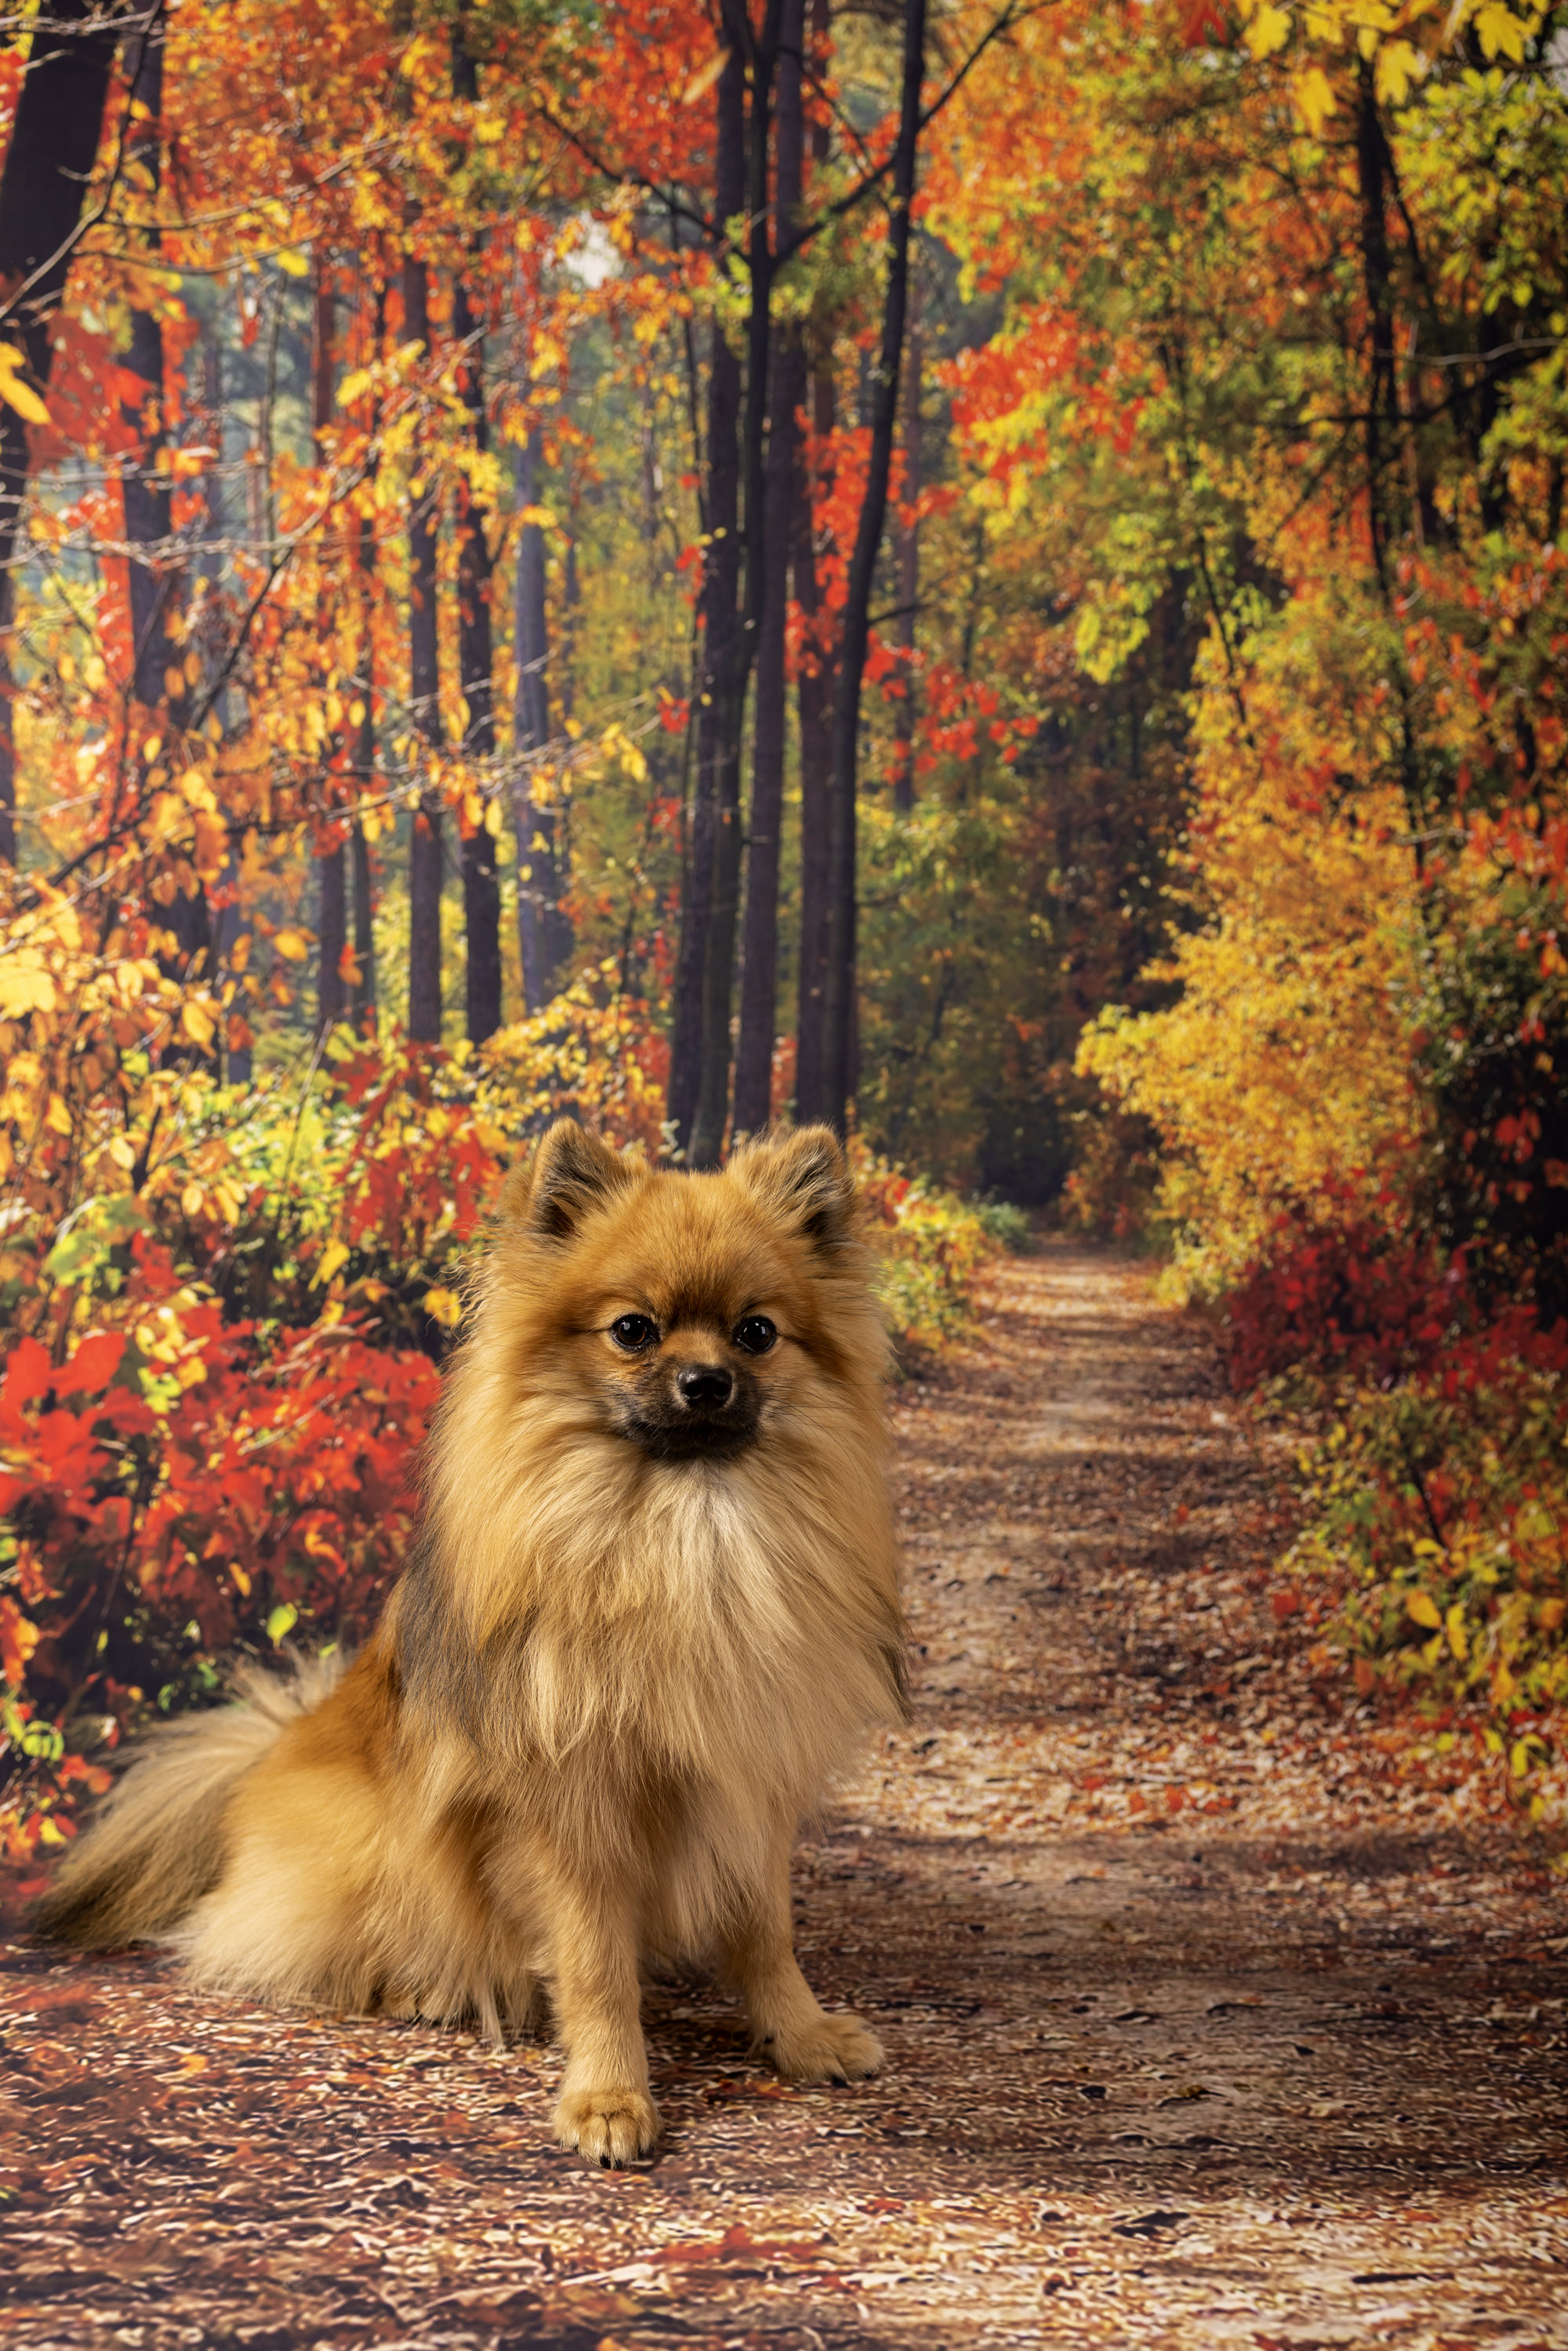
x=789, y=2024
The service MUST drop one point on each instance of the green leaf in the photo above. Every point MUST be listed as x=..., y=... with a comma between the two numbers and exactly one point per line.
x=281, y=1622
x=98, y=1226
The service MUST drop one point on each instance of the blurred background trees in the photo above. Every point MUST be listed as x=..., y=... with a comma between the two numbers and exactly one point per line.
x=989, y=572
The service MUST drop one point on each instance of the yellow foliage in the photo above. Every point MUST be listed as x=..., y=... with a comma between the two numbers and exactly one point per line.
x=1504, y=32
x=25, y=984
x=1284, y=1067
x=335, y=1254
x=1268, y=29
x=15, y=393
x=1399, y=64
x=1315, y=98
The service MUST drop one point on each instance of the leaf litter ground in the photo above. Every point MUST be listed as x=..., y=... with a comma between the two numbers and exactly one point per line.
x=1209, y=2018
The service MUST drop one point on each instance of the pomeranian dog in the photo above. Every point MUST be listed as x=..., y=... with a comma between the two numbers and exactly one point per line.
x=652, y=1610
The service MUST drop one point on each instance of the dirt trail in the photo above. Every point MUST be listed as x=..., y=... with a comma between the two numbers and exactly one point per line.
x=1204, y=2027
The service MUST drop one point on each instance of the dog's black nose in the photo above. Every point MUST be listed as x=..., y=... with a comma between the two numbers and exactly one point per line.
x=705, y=1386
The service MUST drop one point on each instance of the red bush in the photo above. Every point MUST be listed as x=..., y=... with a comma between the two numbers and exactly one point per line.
x=1351, y=1295
x=178, y=1487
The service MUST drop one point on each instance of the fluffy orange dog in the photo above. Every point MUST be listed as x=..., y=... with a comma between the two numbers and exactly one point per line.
x=653, y=1609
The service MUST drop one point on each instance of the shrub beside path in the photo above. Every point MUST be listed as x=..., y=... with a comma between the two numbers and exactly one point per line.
x=1210, y=2018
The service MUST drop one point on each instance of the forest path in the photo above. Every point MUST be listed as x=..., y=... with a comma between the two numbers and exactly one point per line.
x=1204, y=2025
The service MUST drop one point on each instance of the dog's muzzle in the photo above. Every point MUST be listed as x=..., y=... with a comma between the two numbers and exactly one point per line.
x=703, y=1413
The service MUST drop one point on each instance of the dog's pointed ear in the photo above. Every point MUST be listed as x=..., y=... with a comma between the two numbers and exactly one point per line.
x=570, y=1174
x=804, y=1180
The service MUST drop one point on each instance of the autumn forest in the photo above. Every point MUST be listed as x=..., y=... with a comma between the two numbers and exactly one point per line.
x=987, y=572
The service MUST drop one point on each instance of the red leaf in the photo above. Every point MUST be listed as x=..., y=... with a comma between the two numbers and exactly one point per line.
x=1203, y=25
x=94, y=1363
x=28, y=1374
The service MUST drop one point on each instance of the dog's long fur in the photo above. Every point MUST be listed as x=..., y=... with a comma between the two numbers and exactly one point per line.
x=633, y=1647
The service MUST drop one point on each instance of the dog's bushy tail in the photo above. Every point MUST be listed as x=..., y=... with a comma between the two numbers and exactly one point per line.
x=154, y=1845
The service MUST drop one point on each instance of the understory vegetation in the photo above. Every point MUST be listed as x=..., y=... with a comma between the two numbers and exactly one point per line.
x=222, y=1368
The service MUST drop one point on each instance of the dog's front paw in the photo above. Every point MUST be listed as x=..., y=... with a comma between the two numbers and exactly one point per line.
x=607, y=2126
x=827, y=2048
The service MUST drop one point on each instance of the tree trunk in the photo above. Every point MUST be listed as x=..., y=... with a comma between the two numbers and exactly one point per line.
x=481, y=882
x=814, y=698
x=231, y=924
x=157, y=684
x=332, y=864
x=838, y=1010
x=759, y=968
x=332, y=936
x=814, y=693
x=718, y=972
x=152, y=578
x=43, y=189
x=1383, y=387
x=537, y=890
x=558, y=931
x=364, y=1000
x=721, y=575
x=424, y=696
x=1385, y=424
x=908, y=570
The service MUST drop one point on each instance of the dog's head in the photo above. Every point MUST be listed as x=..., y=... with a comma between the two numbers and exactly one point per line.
x=691, y=1312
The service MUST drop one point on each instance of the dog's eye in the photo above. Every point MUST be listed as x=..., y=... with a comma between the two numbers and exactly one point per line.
x=755, y=1335
x=635, y=1333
